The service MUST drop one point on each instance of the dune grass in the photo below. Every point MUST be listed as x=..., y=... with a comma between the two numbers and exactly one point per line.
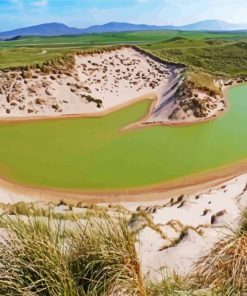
x=224, y=268
x=106, y=263
x=36, y=210
x=203, y=81
x=97, y=257
x=43, y=257
x=177, y=286
x=227, y=59
x=32, y=260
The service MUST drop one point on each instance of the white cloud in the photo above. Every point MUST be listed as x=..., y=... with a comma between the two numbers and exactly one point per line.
x=40, y=3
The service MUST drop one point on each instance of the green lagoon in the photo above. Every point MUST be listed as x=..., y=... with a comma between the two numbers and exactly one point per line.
x=93, y=153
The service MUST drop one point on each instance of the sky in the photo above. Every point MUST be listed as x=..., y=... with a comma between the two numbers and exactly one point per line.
x=83, y=13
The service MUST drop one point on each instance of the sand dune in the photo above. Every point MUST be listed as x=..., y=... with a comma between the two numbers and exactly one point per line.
x=101, y=82
x=97, y=83
x=181, y=229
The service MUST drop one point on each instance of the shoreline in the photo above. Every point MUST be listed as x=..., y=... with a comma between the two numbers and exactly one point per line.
x=139, y=124
x=182, y=186
x=162, y=191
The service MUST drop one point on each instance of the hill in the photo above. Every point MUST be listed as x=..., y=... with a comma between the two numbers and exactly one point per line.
x=213, y=25
x=49, y=29
x=59, y=29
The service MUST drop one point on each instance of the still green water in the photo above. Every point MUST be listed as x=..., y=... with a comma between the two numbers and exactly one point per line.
x=95, y=154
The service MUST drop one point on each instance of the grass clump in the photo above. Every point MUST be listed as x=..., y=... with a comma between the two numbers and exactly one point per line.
x=203, y=81
x=42, y=257
x=35, y=210
x=104, y=258
x=225, y=267
x=32, y=260
x=176, y=286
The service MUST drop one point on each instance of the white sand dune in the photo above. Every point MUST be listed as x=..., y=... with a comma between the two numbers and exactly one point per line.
x=99, y=83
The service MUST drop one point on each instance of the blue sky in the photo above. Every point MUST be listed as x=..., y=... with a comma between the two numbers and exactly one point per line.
x=83, y=13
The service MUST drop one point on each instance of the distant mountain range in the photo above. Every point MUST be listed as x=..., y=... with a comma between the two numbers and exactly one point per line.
x=56, y=29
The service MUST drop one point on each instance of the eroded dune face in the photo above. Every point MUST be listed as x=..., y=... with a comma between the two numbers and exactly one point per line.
x=179, y=101
x=96, y=83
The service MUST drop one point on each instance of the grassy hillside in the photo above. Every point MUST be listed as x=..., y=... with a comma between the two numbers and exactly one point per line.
x=212, y=52
x=215, y=56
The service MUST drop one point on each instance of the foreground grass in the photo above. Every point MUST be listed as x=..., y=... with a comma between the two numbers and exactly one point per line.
x=225, y=267
x=32, y=260
x=106, y=262
x=42, y=257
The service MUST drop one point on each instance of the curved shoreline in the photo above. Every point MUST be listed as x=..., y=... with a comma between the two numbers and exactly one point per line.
x=183, y=185
x=191, y=184
x=141, y=123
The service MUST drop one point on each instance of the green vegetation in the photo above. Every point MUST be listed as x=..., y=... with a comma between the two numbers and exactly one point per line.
x=178, y=286
x=43, y=257
x=34, y=210
x=96, y=154
x=203, y=81
x=220, y=53
x=97, y=257
x=228, y=58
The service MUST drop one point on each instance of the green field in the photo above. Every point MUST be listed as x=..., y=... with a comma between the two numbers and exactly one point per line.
x=95, y=154
x=219, y=53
